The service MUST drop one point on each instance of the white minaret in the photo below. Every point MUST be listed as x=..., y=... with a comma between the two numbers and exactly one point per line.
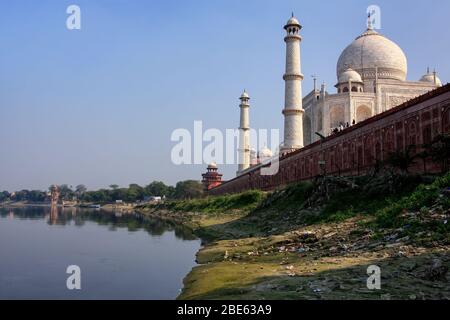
x=244, y=133
x=293, y=110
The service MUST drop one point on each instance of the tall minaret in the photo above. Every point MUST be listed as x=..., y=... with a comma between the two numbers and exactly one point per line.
x=293, y=110
x=244, y=133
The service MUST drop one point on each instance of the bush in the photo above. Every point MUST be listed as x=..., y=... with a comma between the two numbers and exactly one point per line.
x=243, y=201
x=423, y=196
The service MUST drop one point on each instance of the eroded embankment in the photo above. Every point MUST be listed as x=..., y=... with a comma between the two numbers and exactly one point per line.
x=315, y=241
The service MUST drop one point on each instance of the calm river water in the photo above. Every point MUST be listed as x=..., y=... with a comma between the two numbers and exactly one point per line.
x=121, y=256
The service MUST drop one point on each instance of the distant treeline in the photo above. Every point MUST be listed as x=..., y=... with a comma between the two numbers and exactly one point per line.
x=182, y=190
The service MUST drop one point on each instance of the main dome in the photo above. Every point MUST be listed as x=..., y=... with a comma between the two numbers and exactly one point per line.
x=372, y=50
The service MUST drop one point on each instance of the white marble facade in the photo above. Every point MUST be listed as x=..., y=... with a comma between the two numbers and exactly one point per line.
x=371, y=78
x=371, y=75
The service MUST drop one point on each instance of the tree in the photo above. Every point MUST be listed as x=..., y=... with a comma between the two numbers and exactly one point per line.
x=188, y=189
x=402, y=159
x=439, y=150
x=80, y=189
x=66, y=192
x=21, y=195
x=37, y=196
x=424, y=155
x=114, y=186
x=157, y=188
x=135, y=192
x=4, y=196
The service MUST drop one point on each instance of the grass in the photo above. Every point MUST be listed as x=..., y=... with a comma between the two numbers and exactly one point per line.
x=420, y=200
x=246, y=201
x=370, y=196
x=243, y=260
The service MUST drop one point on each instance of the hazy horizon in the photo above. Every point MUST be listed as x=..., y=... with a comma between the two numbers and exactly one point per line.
x=97, y=106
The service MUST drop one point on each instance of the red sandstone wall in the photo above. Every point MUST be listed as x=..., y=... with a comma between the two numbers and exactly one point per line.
x=355, y=150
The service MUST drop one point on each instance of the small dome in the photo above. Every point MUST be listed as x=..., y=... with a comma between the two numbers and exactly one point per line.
x=265, y=153
x=349, y=75
x=292, y=22
x=212, y=165
x=430, y=77
x=245, y=95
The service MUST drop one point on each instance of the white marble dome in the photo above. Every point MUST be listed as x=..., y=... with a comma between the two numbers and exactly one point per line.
x=349, y=75
x=430, y=77
x=371, y=50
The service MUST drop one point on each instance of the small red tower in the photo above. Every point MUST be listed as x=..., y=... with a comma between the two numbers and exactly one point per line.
x=211, y=178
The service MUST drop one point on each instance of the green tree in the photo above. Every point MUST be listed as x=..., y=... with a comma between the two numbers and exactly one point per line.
x=402, y=159
x=80, y=189
x=157, y=188
x=439, y=150
x=4, y=196
x=37, y=196
x=424, y=156
x=134, y=193
x=66, y=192
x=188, y=189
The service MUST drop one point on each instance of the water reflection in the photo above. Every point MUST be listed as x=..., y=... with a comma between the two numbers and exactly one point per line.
x=113, y=220
x=122, y=255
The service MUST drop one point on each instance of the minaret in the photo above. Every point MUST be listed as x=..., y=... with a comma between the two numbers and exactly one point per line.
x=293, y=110
x=244, y=133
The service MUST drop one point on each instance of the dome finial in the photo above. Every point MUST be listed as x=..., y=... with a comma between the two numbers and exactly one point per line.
x=369, y=22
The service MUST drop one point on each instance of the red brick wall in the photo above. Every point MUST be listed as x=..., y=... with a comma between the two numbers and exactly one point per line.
x=355, y=150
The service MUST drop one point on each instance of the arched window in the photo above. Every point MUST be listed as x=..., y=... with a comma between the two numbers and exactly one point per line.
x=368, y=156
x=319, y=120
x=354, y=89
x=345, y=89
x=412, y=134
x=446, y=120
x=336, y=116
x=378, y=151
x=388, y=143
x=427, y=134
x=363, y=113
x=307, y=131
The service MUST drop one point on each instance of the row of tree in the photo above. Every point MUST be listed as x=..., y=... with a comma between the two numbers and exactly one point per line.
x=182, y=190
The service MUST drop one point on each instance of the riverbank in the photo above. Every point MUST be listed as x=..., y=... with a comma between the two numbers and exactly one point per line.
x=315, y=241
x=23, y=204
x=109, y=206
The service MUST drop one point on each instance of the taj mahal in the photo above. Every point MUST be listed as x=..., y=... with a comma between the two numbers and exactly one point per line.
x=371, y=79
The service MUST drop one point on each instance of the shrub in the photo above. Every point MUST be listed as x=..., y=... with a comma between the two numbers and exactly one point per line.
x=423, y=196
x=243, y=201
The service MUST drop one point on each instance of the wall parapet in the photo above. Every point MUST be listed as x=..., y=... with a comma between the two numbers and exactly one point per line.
x=355, y=150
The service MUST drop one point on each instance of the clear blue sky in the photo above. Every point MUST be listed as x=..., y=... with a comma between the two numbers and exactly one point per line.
x=97, y=106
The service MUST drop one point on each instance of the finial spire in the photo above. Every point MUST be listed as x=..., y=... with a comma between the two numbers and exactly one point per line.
x=292, y=14
x=369, y=21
